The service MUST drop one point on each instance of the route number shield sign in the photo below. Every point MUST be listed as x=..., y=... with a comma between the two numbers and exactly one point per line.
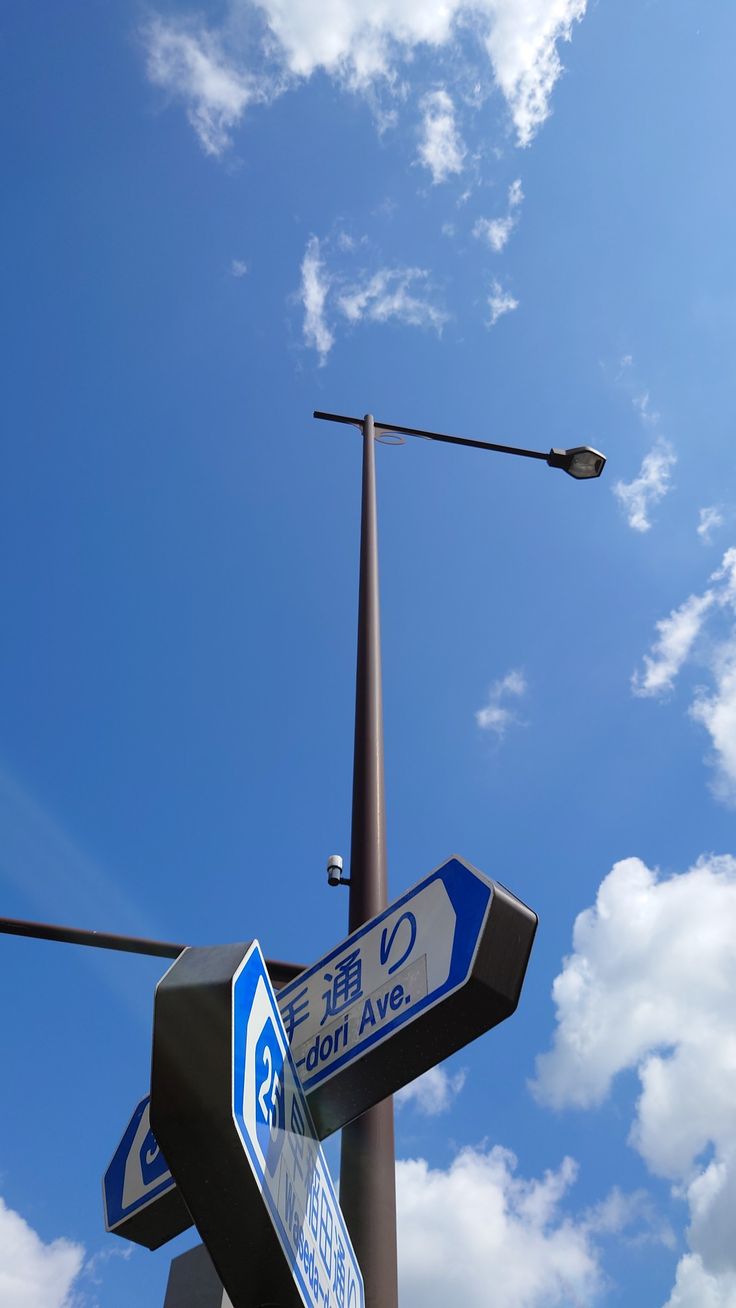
x=231, y=1113
x=139, y=1193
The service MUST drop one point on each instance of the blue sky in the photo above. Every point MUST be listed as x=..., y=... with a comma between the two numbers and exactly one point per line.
x=507, y=220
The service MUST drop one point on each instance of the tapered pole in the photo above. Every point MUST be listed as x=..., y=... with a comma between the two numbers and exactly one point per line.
x=367, y=1160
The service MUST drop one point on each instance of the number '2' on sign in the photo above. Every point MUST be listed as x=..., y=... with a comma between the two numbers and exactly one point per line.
x=269, y=1113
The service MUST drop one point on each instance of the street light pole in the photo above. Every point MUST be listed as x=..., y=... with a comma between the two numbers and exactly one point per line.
x=367, y=1158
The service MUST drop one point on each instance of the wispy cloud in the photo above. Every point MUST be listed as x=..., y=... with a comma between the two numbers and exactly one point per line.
x=677, y=635
x=716, y=711
x=314, y=288
x=632, y=1215
x=500, y=302
x=496, y=715
x=238, y=268
x=516, y=194
x=678, y=632
x=677, y=639
x=637, y=497
x=635, y=994
x=643, y=405
x=388, y=294
x=190, y=63
x=441, y=149
x=710, y=519
x=496, y=231
x=47, y=866
x=62, y=882
x=654, y=480
x=434, y=1092
x=392, y=293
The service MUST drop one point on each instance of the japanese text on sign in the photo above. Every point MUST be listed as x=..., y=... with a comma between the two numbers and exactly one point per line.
x=374, y=983
x=295, y=1182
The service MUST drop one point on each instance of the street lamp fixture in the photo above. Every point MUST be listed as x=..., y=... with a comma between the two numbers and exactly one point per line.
x=581, y=462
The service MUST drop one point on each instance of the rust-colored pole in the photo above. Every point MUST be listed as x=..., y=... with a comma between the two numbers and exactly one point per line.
x=281, y=973
x=367, y=1160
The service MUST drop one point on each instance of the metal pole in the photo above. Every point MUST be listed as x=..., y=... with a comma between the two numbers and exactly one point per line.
x=367, y=1160
x=280, y=972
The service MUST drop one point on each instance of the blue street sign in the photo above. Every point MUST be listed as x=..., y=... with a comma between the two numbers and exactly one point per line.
x=439, y=967
x=234, y=1121
x=135, y=1184
x=279, y=1138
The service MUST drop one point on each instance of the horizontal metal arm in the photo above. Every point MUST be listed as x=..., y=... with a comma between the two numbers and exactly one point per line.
x=280, y=972
x=433, y=436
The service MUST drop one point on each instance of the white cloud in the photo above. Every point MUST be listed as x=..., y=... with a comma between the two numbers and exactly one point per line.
x=633, y=1216
x=314, y=288
x=433, y=1093
x=34, y=1274
x=522, y=43
x=643, y=405
x=238, y=268
x=717, y=713
x=726, y=574
x=362, y=42
x=441, y=149
x=651, y=485
x=500, y=302
x=359, y=44
x=398, y=294
x=479, y=1225
x=516, y=194
x=677, y=635
x=496, y=231
x=649, y=986
x=696, y=1288
x=389, y=294
x=496, y=715
x=191, y=64
x=715, y=709
x=653, y=482
x=710, y=519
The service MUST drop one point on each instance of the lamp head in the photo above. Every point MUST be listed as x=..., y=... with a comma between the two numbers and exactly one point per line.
x=582, y=462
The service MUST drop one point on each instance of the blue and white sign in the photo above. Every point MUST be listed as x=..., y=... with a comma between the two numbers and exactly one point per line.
x=137, y=1178
x=277, y=1133
x=435, y=970
x=386, y=974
